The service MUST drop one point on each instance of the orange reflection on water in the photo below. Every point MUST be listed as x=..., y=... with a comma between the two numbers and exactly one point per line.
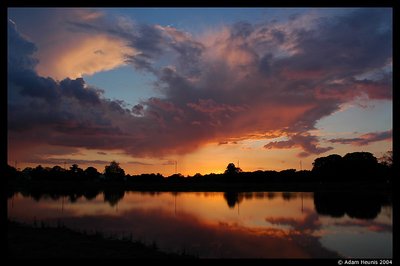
x=210, y=224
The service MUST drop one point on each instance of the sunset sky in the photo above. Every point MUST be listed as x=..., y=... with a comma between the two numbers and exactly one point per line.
x=268, y=87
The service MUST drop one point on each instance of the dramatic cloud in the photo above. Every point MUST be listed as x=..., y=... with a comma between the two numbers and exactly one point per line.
x=307, y=142
x=88, y=56
x=238, y=82
x=365, y=139
x=65, y=52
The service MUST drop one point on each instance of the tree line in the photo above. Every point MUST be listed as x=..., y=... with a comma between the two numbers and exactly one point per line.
x=355, y=166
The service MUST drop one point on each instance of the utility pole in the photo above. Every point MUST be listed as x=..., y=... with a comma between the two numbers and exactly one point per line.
x=176, y=166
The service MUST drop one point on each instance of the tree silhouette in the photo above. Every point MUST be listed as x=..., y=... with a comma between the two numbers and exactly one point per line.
x=11, y=173
x=38, y=173
x=176, y=178
x=91, y=173
x=76, y=172
x=114, y=171
x=74, y=168
x=231, y=169
x=387, y=159
x=353, y=166
x=330, y=165
x=57, y=172
x=57, y=169
x=361, y=165
x=360, y=158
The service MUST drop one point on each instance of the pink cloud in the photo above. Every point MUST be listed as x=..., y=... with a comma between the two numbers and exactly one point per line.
x=243, y=81
x=365, y=139
x=305, y=141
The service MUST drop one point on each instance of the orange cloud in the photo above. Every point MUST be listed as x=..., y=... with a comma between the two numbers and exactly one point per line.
x=239, y=81
x=84, y=56
x=64, y=51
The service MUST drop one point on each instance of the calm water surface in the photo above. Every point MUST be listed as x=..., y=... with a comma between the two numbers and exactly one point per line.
x=227, y=225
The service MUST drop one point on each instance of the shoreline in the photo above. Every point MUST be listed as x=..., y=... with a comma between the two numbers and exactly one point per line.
x=55, y=186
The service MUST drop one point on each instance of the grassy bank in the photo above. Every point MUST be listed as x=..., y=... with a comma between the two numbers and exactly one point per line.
x=49, y=242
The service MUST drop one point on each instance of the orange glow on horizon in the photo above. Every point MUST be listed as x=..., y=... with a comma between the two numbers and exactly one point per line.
x=213, y=157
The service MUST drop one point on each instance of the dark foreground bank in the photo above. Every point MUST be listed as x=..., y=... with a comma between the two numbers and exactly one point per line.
x=48, y=242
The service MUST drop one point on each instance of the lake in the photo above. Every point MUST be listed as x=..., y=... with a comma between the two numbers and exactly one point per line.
x=226, y=225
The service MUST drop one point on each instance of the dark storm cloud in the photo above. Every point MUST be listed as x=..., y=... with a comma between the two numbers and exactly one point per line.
x=49, y=110
x=148, y=40
x=345, y=44
x=243, y=81
x=365, y=139
x=141, y=62
x=19, y=50
x=75, y=88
